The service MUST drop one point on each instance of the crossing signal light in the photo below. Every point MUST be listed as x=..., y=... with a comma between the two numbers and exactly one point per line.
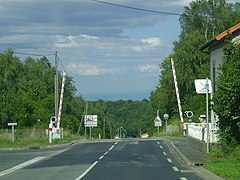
x=54, y=121
x=188, y=114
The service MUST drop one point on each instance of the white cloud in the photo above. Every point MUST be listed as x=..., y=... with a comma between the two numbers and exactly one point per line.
x=148, y=68
x=66, y=42
x=88, y=69
x=152, y=41
x=88, y=37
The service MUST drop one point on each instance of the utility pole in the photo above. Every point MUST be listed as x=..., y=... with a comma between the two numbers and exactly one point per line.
x=56, y=85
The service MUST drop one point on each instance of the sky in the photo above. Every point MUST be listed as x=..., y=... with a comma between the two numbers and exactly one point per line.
x=111, y=52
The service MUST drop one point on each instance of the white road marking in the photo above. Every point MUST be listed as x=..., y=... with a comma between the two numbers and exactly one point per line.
x=83, y=174
x=161, y=147
x=175, y=168
x=101, y=157
x=169, y=160
x=111, y=148
x=158, y=142
x=20, y=166
x=164, y=153
x=183, y=178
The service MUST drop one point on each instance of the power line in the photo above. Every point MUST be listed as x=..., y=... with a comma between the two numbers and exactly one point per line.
x=32, y=54
x=138, y=9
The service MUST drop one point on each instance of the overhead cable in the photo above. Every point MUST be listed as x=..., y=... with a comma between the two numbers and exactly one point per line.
x=138, y=9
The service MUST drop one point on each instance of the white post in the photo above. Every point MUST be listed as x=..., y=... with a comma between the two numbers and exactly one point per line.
x=12, y=133
x=50, y=133
x=166, y=126
x=207, y=88
x=12, y=124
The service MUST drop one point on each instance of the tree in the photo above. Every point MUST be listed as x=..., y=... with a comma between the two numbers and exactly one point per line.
x=227, y=97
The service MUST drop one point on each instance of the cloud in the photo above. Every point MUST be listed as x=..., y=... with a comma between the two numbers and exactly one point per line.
x=153, y=41
x=148, y=68
x=89, y=69
x=66, y=42
x=80, y=17
x=88, y=37
x=147, y=44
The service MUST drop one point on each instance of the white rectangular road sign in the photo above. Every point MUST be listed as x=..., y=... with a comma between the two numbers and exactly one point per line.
x=158, y=121
x=90, y=120
x=12, y=124
x=200, y=85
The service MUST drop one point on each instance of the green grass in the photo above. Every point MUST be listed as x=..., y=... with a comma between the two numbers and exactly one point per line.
x=227, y=167
x=24, y=143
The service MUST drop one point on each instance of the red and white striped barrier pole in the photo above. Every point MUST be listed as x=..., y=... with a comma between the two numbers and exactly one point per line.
x=61, y=100
x=177, y=91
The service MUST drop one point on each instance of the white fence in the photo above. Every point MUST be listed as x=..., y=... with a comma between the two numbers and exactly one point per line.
x=199, y=131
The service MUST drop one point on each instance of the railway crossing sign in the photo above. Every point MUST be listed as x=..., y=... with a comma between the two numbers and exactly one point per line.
x=158, y=121
x=90, y=120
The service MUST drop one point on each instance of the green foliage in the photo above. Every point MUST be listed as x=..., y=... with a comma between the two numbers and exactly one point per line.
x=200, y=22
x=27, y=93
x=133, y=116
x=227, y=97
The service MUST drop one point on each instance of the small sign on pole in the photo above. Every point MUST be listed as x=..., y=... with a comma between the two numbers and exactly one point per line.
x=90, y=120
x=204, y=86
x=201, y=86
x=158, y=121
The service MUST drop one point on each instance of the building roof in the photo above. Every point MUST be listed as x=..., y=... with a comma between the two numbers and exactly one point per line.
x=221, y=36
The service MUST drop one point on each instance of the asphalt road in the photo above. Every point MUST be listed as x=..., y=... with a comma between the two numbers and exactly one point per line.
x=121, y=160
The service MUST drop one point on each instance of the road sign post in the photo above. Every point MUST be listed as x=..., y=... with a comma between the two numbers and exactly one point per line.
x=90, y=121
x=12, y=124
x=207, y=89
x=158, y=121
x=204, y=86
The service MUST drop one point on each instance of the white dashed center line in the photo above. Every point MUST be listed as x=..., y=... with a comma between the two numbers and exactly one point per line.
x=183, y=178
x=175, y=168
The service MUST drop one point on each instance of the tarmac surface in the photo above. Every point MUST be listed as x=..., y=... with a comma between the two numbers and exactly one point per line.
x=193, y=152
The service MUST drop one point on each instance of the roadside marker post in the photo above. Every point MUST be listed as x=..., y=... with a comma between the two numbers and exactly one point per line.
x=12, y=124
x=50, y=132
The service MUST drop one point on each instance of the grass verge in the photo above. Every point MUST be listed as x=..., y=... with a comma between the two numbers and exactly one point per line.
x=227, y=166
x=25, y=143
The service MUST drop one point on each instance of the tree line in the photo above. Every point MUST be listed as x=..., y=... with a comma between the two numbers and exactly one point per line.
x=200, y=22
x=27, y=97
